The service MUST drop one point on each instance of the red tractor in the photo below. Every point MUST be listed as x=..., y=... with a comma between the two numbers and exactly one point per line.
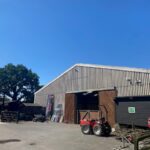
x=98, y=127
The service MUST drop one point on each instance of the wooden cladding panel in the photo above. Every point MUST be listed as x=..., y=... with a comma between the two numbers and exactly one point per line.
x=106, y=98
x=70, y=108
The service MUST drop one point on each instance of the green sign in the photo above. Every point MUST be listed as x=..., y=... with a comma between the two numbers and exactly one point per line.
x=131, y=110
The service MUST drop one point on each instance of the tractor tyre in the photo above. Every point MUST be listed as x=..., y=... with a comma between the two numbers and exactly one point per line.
x=97, y=130
x=106, y=129
x=86, y=129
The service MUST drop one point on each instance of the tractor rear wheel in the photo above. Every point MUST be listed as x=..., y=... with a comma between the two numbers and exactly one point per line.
x=97, y=130
x=86, y=129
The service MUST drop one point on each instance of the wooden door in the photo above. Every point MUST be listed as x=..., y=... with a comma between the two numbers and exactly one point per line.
x=106, y=99
x=70, y=108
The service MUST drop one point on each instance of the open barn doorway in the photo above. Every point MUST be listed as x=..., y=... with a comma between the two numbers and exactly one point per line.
x=76, y=104
x=87, y=101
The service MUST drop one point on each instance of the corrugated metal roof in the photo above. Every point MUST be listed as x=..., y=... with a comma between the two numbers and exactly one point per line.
x=115, y=68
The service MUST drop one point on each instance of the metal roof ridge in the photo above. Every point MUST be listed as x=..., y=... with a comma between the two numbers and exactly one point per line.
x=115, y=67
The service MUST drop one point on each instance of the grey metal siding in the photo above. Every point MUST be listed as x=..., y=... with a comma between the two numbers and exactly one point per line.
x=142, y=108
x=83, y=78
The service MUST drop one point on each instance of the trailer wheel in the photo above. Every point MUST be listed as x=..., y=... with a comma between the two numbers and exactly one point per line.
x=97, y=130
x=86, y=129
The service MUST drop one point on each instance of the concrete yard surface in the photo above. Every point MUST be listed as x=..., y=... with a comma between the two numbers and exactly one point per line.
x=50, y=136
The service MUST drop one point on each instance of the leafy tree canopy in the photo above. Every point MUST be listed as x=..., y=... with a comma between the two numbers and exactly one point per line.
x=18, y=83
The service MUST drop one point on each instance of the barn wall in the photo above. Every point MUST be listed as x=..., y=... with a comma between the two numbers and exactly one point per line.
x=83, y=78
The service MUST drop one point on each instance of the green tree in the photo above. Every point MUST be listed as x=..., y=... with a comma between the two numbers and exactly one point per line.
x=18, y=83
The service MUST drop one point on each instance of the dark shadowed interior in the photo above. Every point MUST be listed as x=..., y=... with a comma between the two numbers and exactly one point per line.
x=87, y=101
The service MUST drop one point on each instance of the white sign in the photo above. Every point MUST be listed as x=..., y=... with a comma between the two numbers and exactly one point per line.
x=131, y=110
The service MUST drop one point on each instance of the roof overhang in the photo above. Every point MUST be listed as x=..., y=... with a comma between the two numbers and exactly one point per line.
x=91, y=90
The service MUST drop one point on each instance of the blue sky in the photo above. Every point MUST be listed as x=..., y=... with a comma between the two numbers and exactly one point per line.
x=49, y=36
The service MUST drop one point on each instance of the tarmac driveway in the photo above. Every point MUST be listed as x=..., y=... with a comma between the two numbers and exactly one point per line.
x=50, y=136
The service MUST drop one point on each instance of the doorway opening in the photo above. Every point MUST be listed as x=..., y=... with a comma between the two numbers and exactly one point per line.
x=87, y=101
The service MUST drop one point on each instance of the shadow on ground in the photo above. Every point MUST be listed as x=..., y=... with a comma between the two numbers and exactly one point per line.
x=9, y=140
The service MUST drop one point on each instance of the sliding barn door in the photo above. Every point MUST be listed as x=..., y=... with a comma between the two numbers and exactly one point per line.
x=70, y=108
x=106, y=99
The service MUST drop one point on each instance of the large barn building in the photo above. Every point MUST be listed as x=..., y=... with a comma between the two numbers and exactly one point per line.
x=125, y=93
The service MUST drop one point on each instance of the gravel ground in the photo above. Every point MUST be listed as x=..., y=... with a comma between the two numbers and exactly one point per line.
x=50, y=136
